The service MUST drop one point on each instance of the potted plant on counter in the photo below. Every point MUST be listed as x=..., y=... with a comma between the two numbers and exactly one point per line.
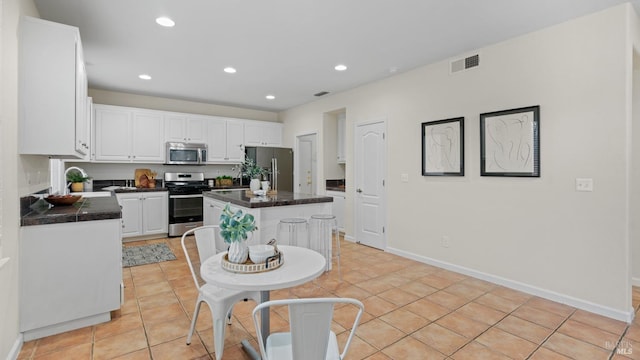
x=254, y=172
x=235, y=228
x=77, y=181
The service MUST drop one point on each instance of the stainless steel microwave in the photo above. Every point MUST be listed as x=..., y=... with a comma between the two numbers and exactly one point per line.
x=186, y=154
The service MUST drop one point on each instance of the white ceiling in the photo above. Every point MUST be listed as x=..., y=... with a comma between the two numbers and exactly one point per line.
x=287, y=48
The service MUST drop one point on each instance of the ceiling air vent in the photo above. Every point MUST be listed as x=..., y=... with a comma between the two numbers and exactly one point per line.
x=464, y=64
x=321, y=93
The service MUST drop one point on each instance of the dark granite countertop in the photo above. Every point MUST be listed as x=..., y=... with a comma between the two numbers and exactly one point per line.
x=121, y=191
x=86, y=209
x=282, y=198
x=335, y=185
x=336, y=188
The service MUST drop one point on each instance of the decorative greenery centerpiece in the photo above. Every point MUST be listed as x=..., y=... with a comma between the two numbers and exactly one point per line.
x=235, y=228
x=254, y=171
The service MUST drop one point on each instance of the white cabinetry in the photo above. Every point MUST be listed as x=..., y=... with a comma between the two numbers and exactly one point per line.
x=128, y=135
x=144, y=213
x=185, y=128
x=70, y=275
x=211, y=211
x=53, y=90
x=262, y=133
x=338, y=207
x=225, y=139
x=342, y=128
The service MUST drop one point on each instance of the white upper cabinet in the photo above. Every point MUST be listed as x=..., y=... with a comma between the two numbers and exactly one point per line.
x=262, y=133
x=340, y=139
x=53, y=90
x=184, y=128
x=225, y=140
x=128, y=135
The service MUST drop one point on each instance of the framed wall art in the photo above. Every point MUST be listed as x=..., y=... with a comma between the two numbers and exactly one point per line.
x=510, y=142
x=443, y=147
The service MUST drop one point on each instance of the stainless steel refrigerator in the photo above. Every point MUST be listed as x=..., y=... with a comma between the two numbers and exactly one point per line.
x=278, y=160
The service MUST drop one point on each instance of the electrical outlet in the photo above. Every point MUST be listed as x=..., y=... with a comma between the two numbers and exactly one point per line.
x=584, y=184
x=445, y=241
x=404, y=177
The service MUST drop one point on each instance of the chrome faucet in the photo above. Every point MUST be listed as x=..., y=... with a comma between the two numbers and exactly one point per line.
x=80, y=170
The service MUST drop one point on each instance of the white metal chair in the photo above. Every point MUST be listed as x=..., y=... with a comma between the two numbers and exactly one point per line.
x=310, y=336
x=220, y=300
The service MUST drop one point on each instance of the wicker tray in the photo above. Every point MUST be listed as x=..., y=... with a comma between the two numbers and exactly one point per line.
x=250, y=193
x=249, y=267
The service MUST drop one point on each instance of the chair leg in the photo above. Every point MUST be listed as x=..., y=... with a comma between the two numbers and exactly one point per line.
x=219, y=314
x=228, y=317
x=193, y=321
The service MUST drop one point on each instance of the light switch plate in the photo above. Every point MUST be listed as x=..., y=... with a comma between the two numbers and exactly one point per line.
x=404, y=177
x=584, y=184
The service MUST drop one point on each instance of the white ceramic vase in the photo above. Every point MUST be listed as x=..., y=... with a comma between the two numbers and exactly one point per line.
x=254, y=184
x=238, y=252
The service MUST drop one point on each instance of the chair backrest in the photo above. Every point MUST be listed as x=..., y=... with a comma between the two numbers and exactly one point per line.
x=206, y=244
x=310, y=325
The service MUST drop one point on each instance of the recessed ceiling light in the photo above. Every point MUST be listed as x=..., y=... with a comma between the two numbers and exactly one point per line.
x=230, y=70
x=341, y=67
x=270, y=97
x=165, y=21
x=144, y=76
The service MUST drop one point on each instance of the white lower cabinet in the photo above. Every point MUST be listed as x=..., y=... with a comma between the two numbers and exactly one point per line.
x=211, y=211
x=338, y=207
x=144, y=213
x=70, y=275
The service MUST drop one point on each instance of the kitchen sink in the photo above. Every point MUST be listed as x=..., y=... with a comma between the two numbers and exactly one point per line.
x=111, y=188
x=90, y=194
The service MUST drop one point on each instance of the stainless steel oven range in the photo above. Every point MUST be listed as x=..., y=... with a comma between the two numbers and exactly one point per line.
x=185, y=201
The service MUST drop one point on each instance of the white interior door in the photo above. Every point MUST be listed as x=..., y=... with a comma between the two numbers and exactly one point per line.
x=370, y=164
x=306, y=164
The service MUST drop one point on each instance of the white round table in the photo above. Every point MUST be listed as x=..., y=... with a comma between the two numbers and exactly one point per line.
x=300, y=266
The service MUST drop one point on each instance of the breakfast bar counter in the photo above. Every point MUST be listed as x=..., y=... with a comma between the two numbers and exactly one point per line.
x=268, y=210
x=280, y=198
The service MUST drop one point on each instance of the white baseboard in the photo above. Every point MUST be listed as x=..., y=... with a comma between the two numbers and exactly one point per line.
x=349, y=238
x=635, y=281
x=15, y=349
x=626, y=316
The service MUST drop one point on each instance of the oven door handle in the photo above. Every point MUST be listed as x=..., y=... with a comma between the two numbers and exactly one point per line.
x=185, y=196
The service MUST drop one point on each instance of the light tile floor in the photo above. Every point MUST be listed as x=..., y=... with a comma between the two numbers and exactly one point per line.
x=413, y=311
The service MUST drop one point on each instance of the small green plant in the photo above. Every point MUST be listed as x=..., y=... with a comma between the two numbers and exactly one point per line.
x=76, y=177
x=224, y=177
x=251, y=169
x=235, y=226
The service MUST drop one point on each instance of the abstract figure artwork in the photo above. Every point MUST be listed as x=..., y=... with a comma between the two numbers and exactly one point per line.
x=443, y=147
x=510, y=142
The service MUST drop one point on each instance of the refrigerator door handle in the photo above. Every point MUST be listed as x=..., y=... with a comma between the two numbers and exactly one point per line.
x=274, y=173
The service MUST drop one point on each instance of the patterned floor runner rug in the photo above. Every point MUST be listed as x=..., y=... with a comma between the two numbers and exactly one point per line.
x=146, y=254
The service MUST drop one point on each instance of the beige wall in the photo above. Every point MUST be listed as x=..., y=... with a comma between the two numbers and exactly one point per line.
x=535, y=234
x=13, y=172
x=158, y=103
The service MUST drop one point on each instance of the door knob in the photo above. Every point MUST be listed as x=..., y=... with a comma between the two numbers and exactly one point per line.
x=359, y=190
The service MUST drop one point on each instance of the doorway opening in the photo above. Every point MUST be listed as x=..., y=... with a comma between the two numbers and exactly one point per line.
x=306, y=155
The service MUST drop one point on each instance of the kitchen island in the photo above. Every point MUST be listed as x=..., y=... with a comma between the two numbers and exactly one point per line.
x=70, y=265
x=268, y=210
